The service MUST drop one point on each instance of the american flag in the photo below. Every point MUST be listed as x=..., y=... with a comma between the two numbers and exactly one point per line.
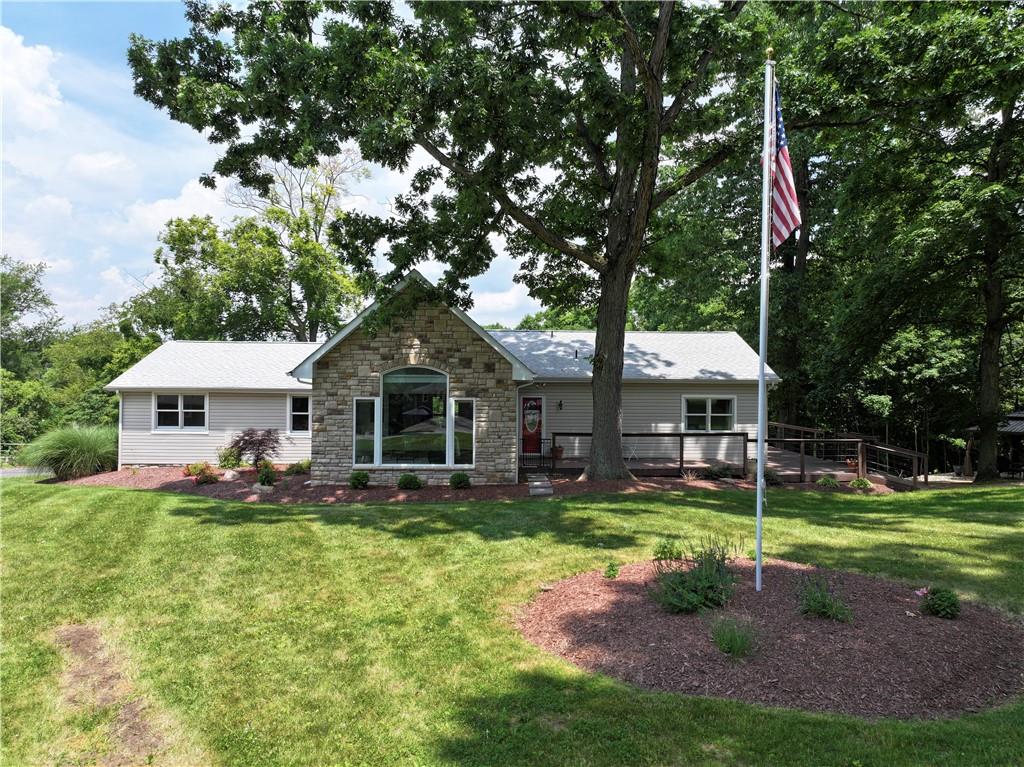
x=785, y=208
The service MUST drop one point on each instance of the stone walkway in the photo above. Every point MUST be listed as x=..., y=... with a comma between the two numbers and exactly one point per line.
x=539, y=484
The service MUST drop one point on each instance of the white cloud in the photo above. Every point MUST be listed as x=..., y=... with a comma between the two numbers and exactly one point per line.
x=143, y=221
x=48, y=207
x=505, y=306
x=101, y=167
x=30, y=93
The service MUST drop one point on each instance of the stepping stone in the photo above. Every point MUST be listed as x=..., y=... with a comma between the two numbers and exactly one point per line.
x=539, y=484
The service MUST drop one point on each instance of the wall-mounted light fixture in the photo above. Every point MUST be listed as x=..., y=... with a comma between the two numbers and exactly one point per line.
x=559, y=404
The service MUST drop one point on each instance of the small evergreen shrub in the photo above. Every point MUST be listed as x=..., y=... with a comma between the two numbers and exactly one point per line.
x=73, y=451
x=258, y=445
x=819, y=599
x=195, y=469
x=612, y=571
x=358, y=480
x=265, y=474
x=772, y=478
x=861, y=483
x=299, y=467
x=409, y=482
x=667, y=549
x=718, y=471
x=827, y=481
x=229, y=457
x=459, y=481
x=734, y=637
x=941, y=602
x=698, y=580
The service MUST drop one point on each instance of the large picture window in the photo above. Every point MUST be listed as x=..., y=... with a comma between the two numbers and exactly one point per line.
x=413, y=422
x=179, y=412
x=415, y=412
x=709, y=413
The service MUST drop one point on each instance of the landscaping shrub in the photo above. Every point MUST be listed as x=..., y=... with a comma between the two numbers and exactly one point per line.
x=73, y=451
x=299, y=467
x=612, y=571
x=827, y=481
x=667, y=549
x=459, y=481
x=698, y=580
x=691, y=476
x=265, y=474
x=772, y=478
x=718, y=471
x=195, y=469
x=819, y=599
x=861, y=483
x=941, y=602
x=258, y=445
x=359, y=480
x=734, y=637
x=409, y=482
x=229, y=457
x=206, y=476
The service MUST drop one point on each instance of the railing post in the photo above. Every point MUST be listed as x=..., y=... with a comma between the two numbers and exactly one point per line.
x=554, y=455
x=862, y=460
x=745, y=454
x=803, y=450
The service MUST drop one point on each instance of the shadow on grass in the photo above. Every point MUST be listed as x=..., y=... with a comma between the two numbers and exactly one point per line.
x=542, y=717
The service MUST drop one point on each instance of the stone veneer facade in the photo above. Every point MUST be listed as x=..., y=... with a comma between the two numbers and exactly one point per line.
x=434, y=337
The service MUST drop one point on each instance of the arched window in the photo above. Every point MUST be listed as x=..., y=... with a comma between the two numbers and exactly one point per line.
x=414, y=417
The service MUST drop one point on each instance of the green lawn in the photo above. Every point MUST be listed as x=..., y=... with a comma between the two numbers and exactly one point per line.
x=381, y=634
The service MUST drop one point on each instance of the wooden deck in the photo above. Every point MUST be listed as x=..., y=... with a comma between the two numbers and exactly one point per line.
x=784, y=462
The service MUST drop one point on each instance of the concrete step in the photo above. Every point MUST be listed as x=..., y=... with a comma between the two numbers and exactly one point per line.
x=539, y=484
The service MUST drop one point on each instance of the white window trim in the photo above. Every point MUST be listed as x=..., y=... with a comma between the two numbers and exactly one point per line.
x=708, y=397
x=288, y=415
x=180, y=428
x=378, y=429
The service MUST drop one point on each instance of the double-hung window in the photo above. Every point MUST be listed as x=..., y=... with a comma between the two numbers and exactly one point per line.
x=180, y=412
x=298, y=413
x=414, y=423
x=709, y=413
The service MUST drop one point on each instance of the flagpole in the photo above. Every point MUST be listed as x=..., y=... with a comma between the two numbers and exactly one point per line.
x=767, y=172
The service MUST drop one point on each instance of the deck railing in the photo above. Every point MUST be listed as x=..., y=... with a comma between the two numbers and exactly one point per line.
x=633, y=446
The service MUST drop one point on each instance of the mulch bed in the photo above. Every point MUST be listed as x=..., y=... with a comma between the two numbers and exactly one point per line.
x=891, y=661
x=293, y=489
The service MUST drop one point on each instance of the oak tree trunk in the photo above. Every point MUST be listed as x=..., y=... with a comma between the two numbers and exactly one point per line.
x=989, y=404
x=606, y=461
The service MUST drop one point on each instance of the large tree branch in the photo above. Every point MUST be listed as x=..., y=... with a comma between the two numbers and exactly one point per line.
x=657, y=61
x=636, y=50
x=596, y=152
x=514, y=211
x=685, y=93
x=697, y=172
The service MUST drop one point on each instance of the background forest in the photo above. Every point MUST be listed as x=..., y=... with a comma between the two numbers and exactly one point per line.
x=898, y=311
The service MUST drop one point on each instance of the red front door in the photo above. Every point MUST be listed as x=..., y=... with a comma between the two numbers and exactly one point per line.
x=532, y=423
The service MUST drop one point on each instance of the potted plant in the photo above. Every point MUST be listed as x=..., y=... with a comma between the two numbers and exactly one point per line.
x=557, y=451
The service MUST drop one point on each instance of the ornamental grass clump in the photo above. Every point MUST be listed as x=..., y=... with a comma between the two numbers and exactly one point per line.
x=697, y=578
x=74, y=451
x=821, y=600
x=940, y=602
x=827, y=481
x=861, y=483
x=734, y=637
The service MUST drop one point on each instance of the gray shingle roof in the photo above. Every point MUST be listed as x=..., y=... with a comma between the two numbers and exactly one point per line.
x=649, y=356
x=215, y=365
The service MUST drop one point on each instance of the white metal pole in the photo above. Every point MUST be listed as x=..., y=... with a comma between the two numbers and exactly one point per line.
x=767, y=172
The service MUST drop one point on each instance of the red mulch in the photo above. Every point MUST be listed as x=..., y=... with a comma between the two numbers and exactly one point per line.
x=891, y=661
x=293, y=489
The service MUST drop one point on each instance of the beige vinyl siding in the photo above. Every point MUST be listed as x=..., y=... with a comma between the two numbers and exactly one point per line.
x=228, y=413
x=649, y=407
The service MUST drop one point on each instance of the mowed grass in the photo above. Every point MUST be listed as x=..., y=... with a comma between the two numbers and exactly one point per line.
x=332, y=635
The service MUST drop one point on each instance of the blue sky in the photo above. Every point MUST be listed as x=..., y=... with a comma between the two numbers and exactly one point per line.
x=91, y=172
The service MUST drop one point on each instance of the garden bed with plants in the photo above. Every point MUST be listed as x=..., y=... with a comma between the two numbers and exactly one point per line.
x=884, y=652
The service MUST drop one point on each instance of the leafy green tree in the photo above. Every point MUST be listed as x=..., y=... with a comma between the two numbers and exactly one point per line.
x=27, y=406
x=272, y=274
x=545, y=122
x=559, y=319
x=28, y=320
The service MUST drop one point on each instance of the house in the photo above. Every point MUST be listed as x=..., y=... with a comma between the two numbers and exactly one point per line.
x=435, y=393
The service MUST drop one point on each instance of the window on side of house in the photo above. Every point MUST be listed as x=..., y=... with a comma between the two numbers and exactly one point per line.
x=299, y=413
x=180, y=412
x=364, y=427
x=709, y=413
x=464, y=431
